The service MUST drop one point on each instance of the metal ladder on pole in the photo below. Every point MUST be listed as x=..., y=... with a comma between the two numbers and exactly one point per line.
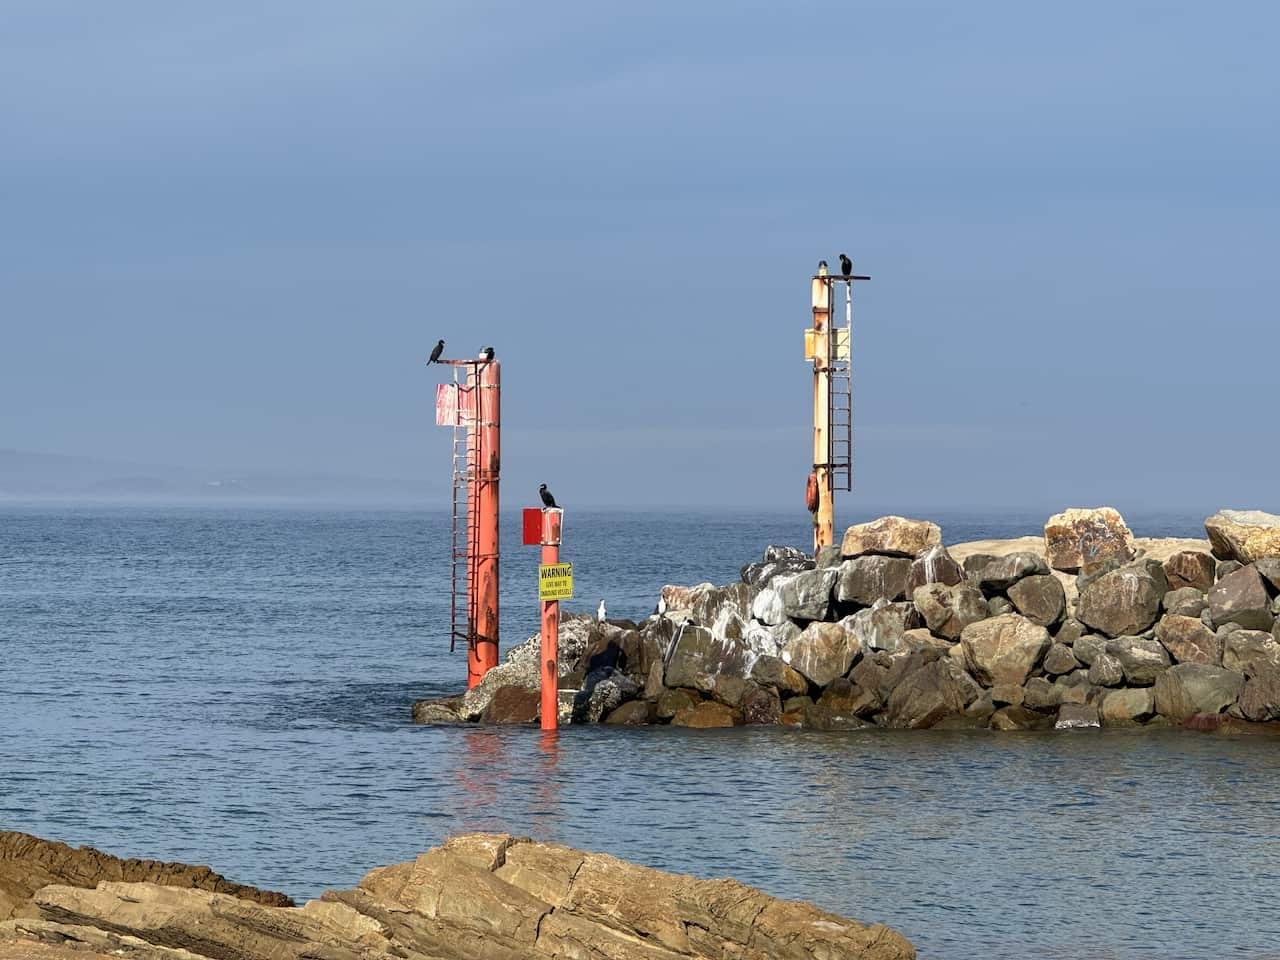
x=840, y=399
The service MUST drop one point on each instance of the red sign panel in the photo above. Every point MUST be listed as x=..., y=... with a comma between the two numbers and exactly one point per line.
x=532, y=526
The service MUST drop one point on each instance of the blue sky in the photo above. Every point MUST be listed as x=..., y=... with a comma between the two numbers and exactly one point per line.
x=232, y=232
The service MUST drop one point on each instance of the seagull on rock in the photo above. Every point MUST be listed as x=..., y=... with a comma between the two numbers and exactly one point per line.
x=600, y=614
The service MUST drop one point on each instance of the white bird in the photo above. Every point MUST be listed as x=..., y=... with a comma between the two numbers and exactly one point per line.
x=600, y=612
x=662, y=606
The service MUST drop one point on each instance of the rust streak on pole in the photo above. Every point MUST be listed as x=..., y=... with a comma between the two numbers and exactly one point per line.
x=482, y=655
x=824, y=520
x=550, y=632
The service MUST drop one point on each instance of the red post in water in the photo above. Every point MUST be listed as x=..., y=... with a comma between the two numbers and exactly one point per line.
x=550, y=624
x=485, y=379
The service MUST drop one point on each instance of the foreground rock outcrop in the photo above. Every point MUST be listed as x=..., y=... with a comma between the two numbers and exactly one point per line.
x=29, y=863
x=477, y=897
x=891, y=628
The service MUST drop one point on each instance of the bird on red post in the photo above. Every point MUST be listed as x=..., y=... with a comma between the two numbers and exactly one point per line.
x=846, y=266
x=436, y=351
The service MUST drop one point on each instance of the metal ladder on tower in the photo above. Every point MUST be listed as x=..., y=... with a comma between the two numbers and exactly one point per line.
x=463, y=536
x=840, y=400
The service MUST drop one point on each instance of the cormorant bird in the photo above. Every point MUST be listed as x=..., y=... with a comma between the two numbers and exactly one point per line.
x=600, y=614
x=486, y=353
x=547, y=499
x=846, y=266
x=436, y=351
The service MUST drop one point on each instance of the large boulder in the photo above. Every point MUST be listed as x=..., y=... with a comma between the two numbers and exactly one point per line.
x=760, y=705
x=1185, y=602
x=1077, y=716
x=807, y=595
x=711, y=603
x=947, y=610
x=1088, y=647
x=1060, y=660
x=1260, y=698
x=1125, y=601
x=697, y=658
x=823, y=651
x=864, y=580
x=1187, y=689
x=1244, y=535
x=883, y=625
x=774, y=672
x=603, y=691
x=777, y=562
x=707, y=715
x=1119, y=707
x=767, y=607
x=1000, y=573
x=1078, y=538
x=1106, y=671
x=513, y=705
x=1190, y=568
x=894, y=536
x=1188, y=640
x=933, y=565
x=1040, y=598
x=1004, y=649
x=1251, y=652
x=925, y=696
x=1241, y=597
x=1142, y=660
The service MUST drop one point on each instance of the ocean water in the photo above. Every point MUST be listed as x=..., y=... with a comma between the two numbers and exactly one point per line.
x=232, y=687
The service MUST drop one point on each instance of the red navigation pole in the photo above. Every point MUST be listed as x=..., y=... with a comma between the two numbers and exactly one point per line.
x=482, y=653
x=555, y=583
x=473, y=407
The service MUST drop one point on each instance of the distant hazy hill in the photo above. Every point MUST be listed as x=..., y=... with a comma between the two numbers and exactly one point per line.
x=33, y=475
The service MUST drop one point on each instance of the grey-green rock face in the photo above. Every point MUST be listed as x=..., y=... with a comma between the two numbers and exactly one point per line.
x=1106, y=671
x=1187, y=689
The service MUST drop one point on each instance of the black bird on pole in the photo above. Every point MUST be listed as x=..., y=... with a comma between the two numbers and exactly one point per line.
x=547, y=499
x=846, y=266
x=436, y=351
x=486, y=354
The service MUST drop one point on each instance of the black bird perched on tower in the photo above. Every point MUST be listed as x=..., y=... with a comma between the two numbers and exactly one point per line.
x=547, y=499
x=436, y=351
x=486, y=353
x=822, y=268
x=846, y=266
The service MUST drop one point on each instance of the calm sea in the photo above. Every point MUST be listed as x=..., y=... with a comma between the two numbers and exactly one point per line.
x=232, y=687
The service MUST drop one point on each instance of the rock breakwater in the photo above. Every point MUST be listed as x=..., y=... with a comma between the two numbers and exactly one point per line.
x=476, y=897
x=1085, y=626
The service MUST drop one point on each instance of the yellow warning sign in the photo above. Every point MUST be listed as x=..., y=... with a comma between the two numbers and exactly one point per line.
x=555, y=581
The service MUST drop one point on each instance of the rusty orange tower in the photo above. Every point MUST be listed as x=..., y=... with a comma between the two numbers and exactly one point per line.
x=472, y=405
x=829, y=347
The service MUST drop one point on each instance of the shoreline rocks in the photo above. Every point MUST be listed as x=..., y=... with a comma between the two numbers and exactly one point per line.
x=475, y=897
x=1000, y=634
